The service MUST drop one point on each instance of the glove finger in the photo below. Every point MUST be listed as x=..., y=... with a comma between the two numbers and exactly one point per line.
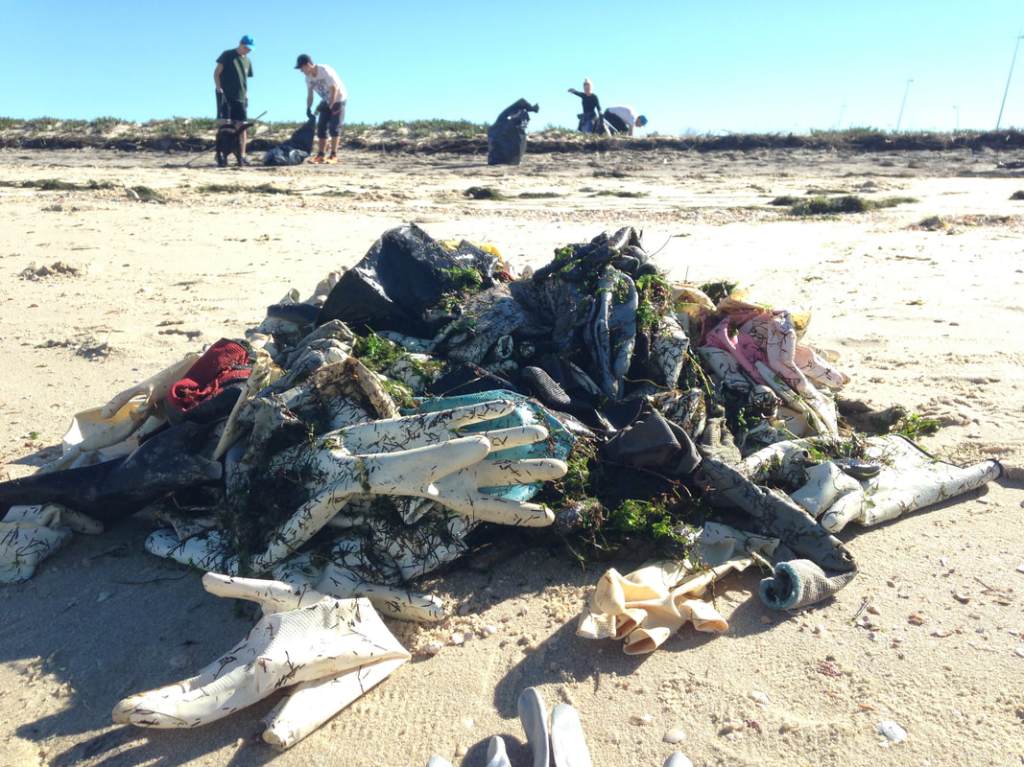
x=517, y=472
x=217, y=691
x=311, y=704
x=490, y=508
x=343, y=583
x=568, y=744
x=497, y=756
x=308, y=520
x=517, y=436
x=466, y=415
x=272, y=596
x=394, y=434
x=205, y=552
x=413, y=472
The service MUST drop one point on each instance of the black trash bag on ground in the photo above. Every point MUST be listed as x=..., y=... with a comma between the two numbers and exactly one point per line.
x=296, y=149
x=506, y=138
x=172, y=460
x=404, y=275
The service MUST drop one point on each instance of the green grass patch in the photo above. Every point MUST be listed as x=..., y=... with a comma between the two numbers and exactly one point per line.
x=146, y=194
x=785, y=201
x=824, y=206
x=932, y=223
x=539, y=195
x=56, y=185
x=242, y=189
x=483, y=193
x=618, y=193
x=416, y=129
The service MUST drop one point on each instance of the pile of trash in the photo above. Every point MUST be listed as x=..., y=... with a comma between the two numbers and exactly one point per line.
x=363, y=437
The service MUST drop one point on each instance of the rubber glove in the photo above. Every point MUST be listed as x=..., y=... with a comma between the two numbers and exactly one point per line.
x=332, y=649
x=31, y=533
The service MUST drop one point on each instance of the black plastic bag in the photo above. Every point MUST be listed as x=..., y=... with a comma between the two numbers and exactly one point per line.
x=171, y=460
x=506, y=138
x=405, y=274
x=296, y=149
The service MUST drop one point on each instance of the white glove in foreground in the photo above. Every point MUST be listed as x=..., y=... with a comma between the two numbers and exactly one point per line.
x=333, y=649
x=29, y=534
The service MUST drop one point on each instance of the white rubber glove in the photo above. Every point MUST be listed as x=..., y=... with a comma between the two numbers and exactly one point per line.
x=29, y=534
x=910, y=479
x=327, y=646
x=335, y=578
x=432, y=471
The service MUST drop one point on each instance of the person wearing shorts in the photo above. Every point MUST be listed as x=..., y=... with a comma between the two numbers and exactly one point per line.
x=231, y=77
x=324, y=81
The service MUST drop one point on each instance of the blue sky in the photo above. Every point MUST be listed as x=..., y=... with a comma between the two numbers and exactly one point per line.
x=746, y=65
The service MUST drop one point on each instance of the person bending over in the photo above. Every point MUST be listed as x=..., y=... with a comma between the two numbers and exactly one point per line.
x=624, y=119
x=324, y=81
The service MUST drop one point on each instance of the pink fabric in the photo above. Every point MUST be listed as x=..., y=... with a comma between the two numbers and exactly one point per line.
x=719, y=337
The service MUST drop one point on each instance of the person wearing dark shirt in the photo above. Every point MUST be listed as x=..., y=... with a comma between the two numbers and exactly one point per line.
x=231, y=77
x=591, y=107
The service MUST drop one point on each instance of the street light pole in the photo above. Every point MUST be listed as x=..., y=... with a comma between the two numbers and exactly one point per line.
x=1013, y=61
x=906, y=91
x=956, y=108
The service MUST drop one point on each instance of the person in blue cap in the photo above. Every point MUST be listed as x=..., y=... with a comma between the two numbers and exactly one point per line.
x=624, y=119
x=231, y=77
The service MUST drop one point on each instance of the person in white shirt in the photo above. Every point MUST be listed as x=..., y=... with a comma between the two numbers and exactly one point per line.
x=324, y=81
x=624, y=119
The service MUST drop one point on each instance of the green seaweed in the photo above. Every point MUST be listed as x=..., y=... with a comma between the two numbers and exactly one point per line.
x=464, y=278
x=654, y=297
x=914, y=426
x=376, y=353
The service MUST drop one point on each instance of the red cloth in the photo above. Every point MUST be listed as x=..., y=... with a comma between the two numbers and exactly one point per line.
x=224, y=363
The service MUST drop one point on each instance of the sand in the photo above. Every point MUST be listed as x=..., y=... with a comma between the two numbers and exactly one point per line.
x=926, y=318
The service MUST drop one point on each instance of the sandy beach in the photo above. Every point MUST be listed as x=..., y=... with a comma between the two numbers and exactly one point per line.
x=925, y=316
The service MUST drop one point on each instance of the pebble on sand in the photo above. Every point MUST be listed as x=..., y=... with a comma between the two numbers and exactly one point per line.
x=673, y=736
x=891, y=731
